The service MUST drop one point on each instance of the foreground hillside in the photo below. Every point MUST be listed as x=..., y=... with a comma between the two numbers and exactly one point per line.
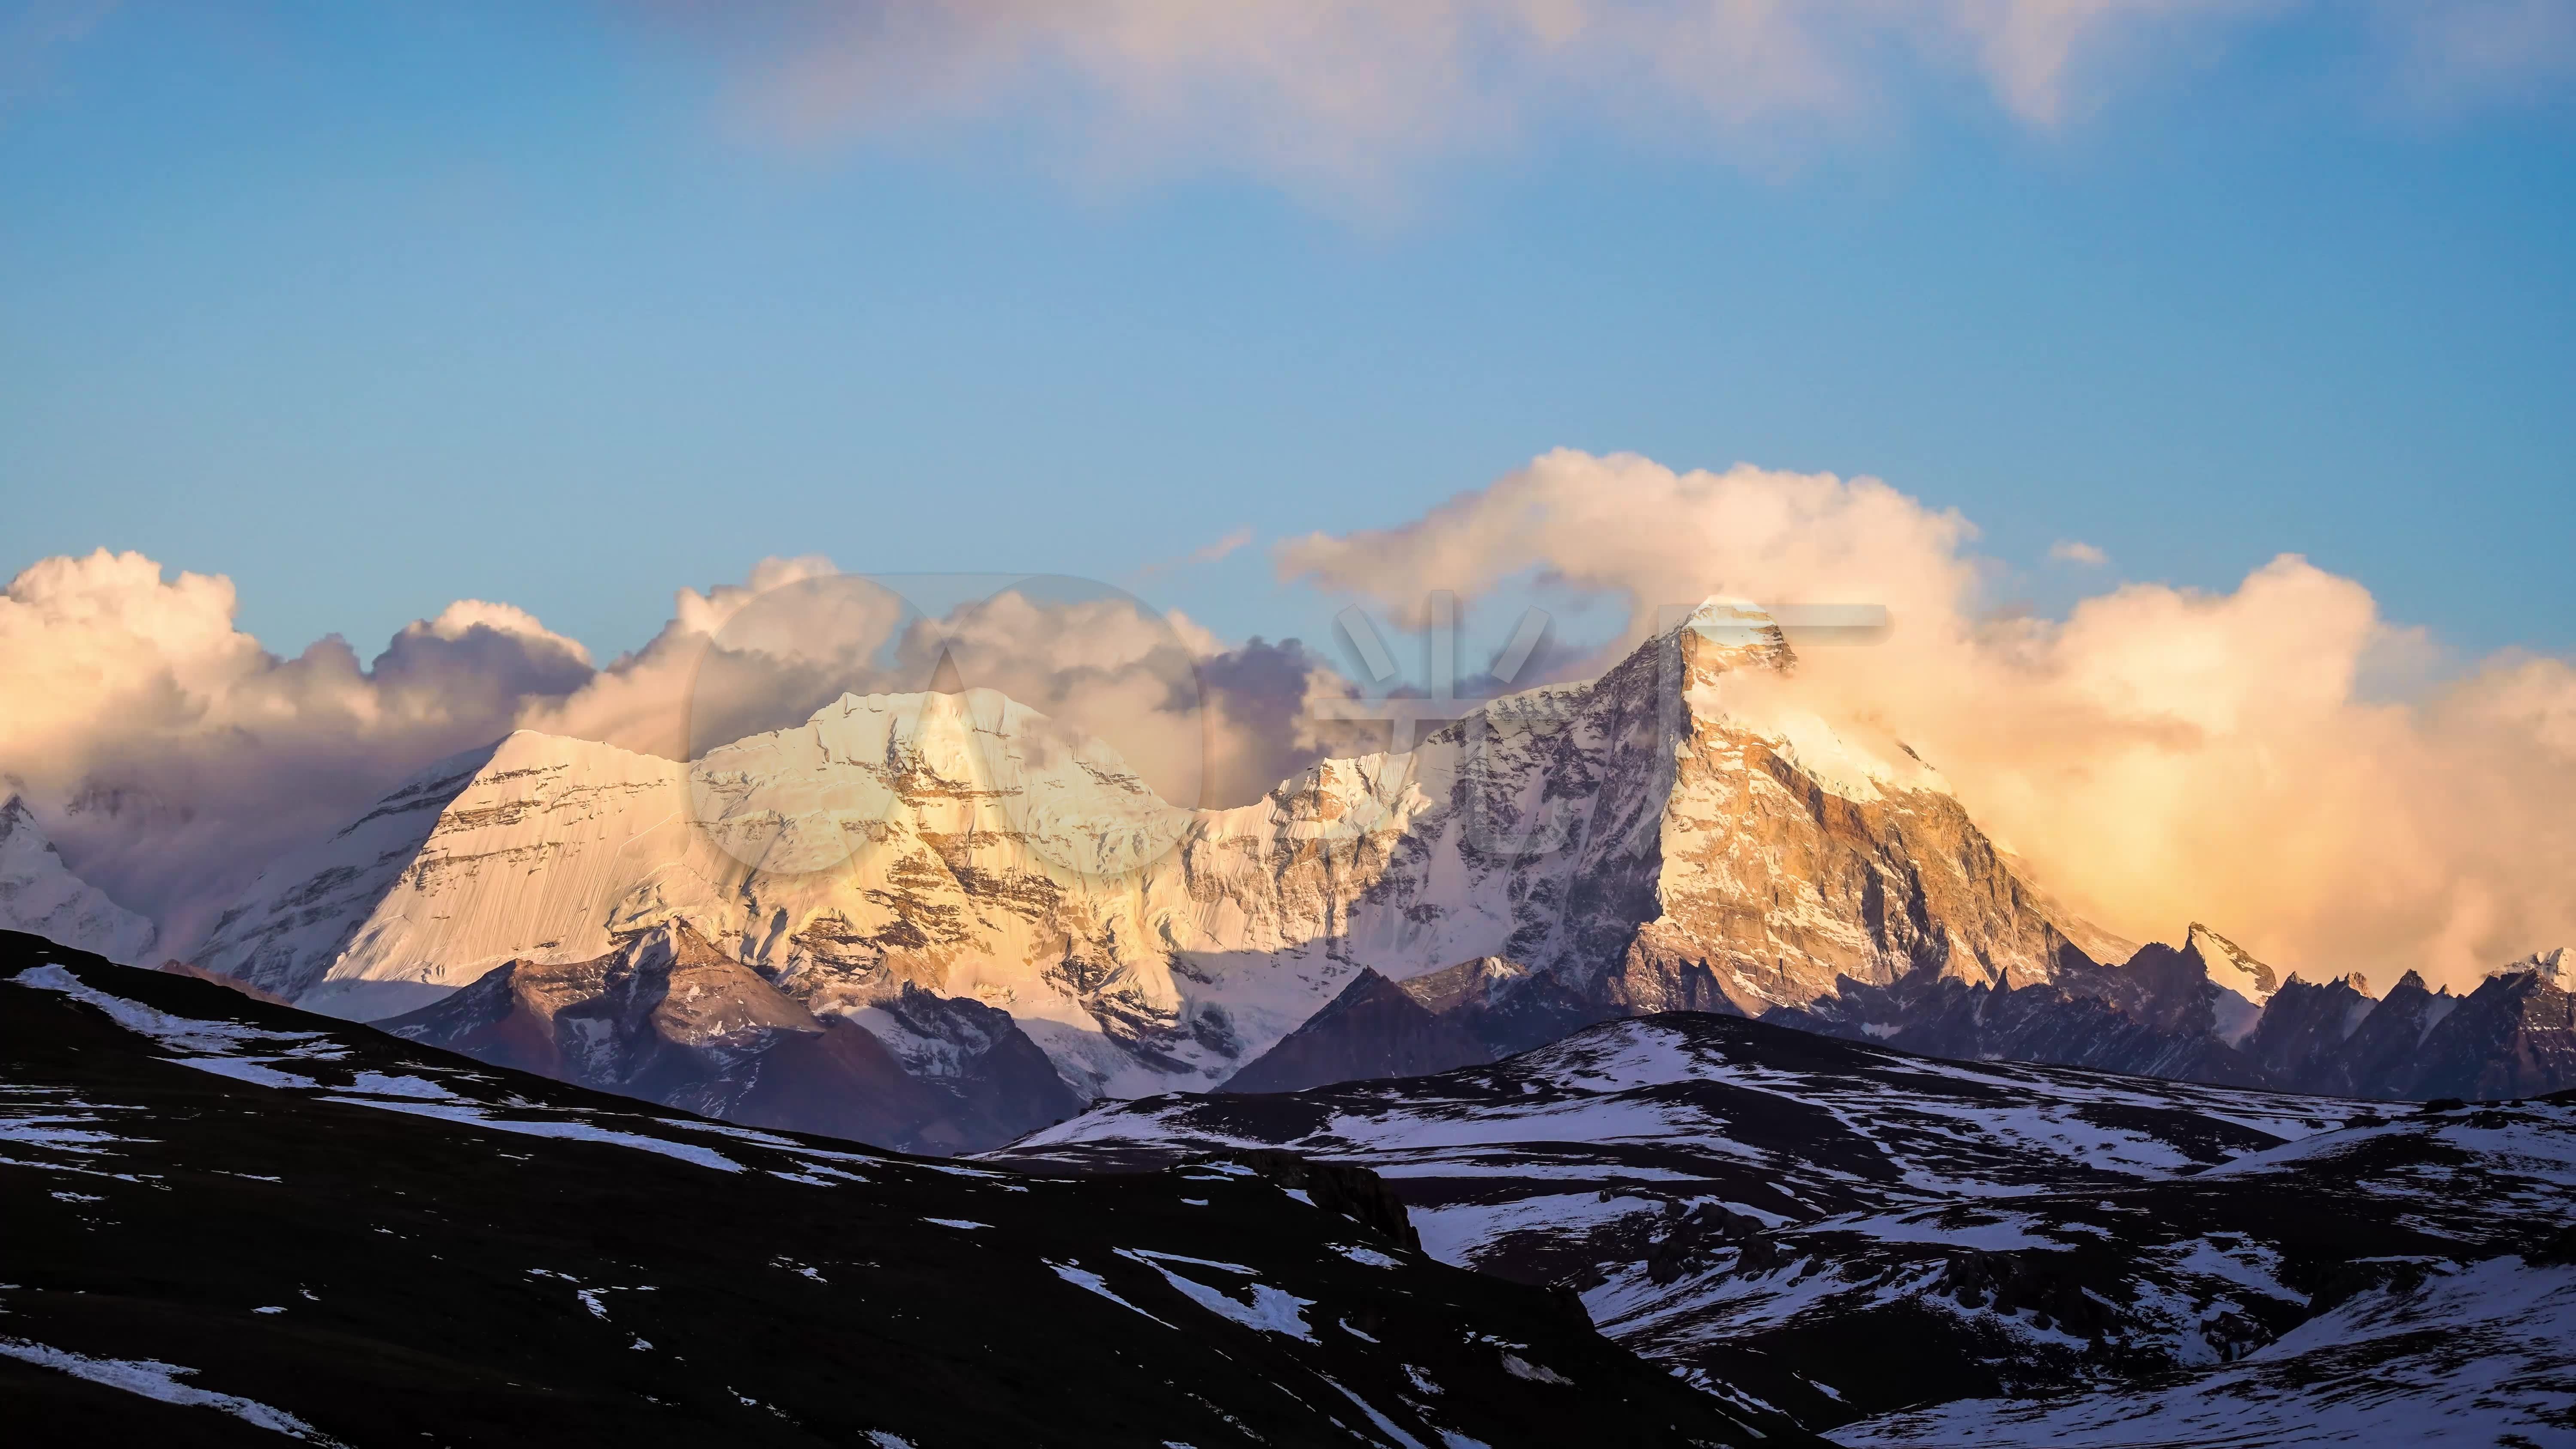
x=1842, y=1230
x=228, y=1222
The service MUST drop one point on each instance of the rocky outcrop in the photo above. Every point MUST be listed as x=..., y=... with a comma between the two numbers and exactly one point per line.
x=1336, y=1187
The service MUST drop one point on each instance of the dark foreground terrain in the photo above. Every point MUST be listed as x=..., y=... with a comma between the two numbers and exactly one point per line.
x=1853, y=1235
x=230, y=1223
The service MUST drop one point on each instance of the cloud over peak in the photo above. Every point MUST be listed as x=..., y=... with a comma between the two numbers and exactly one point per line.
x=172, y=755
x=2158, y=755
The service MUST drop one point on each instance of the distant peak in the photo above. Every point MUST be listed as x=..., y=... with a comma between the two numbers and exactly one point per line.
x=2231, y=965
x=2556, y=965
x=2354, y=981
x=18, y=821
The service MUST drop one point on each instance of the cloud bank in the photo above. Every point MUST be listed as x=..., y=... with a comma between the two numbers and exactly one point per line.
x=2159, y=756
x=170, y=755
x=1338, y=91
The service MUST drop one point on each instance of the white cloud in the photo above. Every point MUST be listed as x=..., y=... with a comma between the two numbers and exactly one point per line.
x=1223, y=546
x=171, y=754
x=1207, y=553
x=1337, y=93
x=2075, y=551
x=2160, y=755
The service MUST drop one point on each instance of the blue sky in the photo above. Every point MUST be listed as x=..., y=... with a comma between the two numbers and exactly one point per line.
x=376, y=307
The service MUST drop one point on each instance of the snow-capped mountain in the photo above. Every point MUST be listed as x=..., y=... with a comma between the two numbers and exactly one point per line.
x=1634, y=838
x=1673, y=835
x=39, y=894
x=1841, y=1230
x=229, y=1222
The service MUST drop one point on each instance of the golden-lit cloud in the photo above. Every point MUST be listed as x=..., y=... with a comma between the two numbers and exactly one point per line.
x=2158, y=755
x=171, y=755
x=2161, y=755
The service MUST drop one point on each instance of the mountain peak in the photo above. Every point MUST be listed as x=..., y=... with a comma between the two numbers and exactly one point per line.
x=2557, y=966
x=1727, y=634
x=2231, y=965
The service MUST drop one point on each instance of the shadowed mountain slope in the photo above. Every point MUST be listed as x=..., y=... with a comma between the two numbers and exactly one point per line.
x=669, y=1018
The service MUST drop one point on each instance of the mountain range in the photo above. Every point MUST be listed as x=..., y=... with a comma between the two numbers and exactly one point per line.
x=979, y=889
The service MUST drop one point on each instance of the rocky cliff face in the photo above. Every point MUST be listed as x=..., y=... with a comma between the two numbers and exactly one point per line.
x=2163, y=1012
x=2177, y=1013
x=40, y=895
